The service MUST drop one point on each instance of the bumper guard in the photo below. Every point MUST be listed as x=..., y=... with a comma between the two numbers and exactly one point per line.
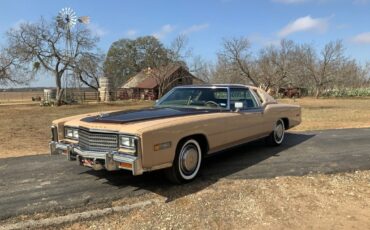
x=111, y=161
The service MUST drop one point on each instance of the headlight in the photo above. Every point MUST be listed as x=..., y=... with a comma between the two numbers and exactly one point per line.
x=54, y=133
x=71, y=133
x=127, y=142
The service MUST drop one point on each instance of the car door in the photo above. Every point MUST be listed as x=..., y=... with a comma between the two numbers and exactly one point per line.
x=247, y=123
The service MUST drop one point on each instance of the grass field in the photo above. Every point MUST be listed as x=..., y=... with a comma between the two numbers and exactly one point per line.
x=25, y=129
x=14, y=97
x=318, y=114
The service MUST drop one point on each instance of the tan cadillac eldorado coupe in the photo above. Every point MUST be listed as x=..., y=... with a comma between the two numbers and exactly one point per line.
x=186, y=125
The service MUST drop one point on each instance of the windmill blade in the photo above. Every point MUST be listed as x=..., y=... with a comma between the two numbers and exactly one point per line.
x=84, y=19
x=67, y=18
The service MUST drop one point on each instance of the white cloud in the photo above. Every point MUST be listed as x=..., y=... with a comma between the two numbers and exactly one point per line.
x=165, y=30
x=305, y=24
x=195, y=28
x=97, y=30
x=131, y=33
x=363, y=38
x=290, y=1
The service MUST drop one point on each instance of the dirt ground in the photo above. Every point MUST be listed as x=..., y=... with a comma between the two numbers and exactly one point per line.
x=340, y=201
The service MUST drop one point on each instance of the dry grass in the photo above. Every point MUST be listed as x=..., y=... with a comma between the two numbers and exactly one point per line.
x=25, y=130
x=12, y=97
x=319, y=114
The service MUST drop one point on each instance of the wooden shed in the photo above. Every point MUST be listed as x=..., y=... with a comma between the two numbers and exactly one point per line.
x=149, y=84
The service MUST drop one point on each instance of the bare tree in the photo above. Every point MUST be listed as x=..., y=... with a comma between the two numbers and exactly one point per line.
x=202, y=69
x=236, y=53
x=366, y=74
x=223, y=72
x=6, y=75
x=11, y=71
x=276, y=65
x=178, y=50
x=324, y=69
x=42, y=45
x=162, y=69
x=89, y=68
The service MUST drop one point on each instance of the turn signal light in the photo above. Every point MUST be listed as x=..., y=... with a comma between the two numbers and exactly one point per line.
x=125, y=165
x=161, y=146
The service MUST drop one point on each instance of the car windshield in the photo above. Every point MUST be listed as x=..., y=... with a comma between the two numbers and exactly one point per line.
x=195, y=97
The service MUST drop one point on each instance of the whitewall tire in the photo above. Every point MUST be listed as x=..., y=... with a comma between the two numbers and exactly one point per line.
x=278, y=134
x=187, y=162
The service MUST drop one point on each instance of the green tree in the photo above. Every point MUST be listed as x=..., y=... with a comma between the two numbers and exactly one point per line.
x=127, y=57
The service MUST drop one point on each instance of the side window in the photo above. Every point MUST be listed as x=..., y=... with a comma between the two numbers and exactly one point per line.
x=242, y=95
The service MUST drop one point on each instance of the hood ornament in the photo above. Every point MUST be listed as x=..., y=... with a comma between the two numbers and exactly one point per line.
x=102, y=115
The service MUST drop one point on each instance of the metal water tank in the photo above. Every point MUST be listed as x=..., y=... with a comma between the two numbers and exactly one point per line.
x=50, y=94
x=105, y=89
x=104, y=82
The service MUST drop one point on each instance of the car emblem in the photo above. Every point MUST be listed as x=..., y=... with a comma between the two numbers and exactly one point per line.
x=102, y=115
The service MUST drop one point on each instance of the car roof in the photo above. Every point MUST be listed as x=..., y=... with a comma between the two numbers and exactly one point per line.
x=212, y=85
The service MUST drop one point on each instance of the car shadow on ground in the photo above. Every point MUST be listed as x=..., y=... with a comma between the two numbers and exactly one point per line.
x=233, y=163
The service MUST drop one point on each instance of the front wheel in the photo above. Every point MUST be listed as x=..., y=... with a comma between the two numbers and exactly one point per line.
x=277, y=135
x=187, y=162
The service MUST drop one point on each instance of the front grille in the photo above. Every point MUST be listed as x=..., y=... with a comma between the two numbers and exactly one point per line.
x=95, y=141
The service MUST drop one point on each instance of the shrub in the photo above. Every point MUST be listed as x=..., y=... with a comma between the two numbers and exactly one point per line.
x=347, y=92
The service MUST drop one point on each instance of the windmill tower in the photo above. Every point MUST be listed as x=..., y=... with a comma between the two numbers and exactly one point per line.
x=66, y=20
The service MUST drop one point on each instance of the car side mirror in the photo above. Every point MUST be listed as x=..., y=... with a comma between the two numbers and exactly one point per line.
x=238, y=106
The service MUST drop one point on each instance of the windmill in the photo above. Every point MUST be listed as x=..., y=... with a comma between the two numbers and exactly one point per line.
x=66, y=20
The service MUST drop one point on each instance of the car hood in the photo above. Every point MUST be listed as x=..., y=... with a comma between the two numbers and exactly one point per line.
x=121, y=117
x=138, y=121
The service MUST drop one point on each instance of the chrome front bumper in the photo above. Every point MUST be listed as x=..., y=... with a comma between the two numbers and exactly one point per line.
x=110, y=161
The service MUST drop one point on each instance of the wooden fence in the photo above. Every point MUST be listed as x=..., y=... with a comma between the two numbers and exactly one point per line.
x=19, y=96
x=77, y=95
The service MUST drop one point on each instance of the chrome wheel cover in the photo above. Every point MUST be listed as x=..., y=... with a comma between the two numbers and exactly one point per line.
x=279, y=132
x=189, y=159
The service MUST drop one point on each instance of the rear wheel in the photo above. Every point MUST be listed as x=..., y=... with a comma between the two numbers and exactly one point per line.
x=187, y=162
x=278, y=134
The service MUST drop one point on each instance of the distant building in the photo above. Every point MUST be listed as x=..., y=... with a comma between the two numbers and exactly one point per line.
x=145, y=84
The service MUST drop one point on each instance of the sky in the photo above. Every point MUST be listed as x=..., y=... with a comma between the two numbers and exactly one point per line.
x=207, y=22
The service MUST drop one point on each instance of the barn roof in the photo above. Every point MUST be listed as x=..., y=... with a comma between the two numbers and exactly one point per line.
x=148, y=83
x=146, y=78
x=135, y=80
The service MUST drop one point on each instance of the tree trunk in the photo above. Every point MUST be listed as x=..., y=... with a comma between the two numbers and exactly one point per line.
x=318, y=92
x=59, y=95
